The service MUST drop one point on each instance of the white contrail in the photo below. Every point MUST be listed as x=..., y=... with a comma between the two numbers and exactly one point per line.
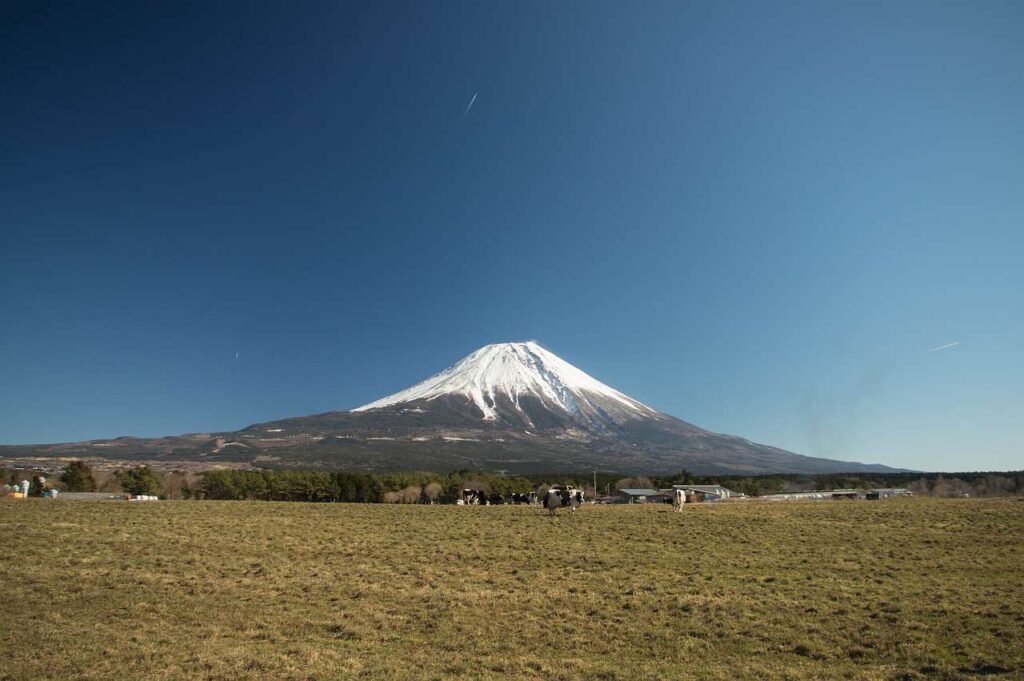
x=943, y=347
x=473, y=99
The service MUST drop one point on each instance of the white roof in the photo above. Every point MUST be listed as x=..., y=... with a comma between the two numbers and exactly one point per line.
x=710, y=489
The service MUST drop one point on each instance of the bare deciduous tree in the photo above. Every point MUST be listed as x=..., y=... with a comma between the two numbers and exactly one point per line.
x=106, y=481
x=174, y=483
x=411, y=494
x=433, y=490
x=481, y=485
x=634, y=483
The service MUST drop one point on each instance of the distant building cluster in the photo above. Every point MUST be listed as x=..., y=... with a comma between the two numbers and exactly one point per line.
x=22, y=490
x=693, y=494
x=18, y=491
x=704, y=493
x=869, y=494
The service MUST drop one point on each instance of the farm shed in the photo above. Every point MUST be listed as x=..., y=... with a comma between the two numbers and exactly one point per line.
x=791, y=496
x=632, y=495
x=93, y=496
x=886, y=492
x=707, y=492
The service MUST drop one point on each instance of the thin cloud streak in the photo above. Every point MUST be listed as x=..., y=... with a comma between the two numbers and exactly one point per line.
x=943, y=347
x=470, y=106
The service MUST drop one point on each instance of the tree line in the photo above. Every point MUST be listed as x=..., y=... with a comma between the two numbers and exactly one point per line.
x=78, y=476
x=322, y=486
x=277, y=484
x=424, y=487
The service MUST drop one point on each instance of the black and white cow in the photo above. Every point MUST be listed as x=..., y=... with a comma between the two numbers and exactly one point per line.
x=474, y=496
x=678, y=499
x=561, y=496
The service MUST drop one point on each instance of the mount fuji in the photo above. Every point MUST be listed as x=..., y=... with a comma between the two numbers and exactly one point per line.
x=507, y=382
x=506, y=407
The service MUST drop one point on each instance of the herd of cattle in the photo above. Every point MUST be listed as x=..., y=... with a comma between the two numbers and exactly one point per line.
x=473, y=497
x=554, y=498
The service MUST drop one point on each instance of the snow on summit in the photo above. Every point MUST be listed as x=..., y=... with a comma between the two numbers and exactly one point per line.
x=513, y=370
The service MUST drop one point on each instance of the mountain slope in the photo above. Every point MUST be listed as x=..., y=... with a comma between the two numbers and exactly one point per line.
x=508, y=406
x=499, y=375
x=516, y=406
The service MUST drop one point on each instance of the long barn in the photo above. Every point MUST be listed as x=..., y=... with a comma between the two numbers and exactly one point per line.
x=707, y=492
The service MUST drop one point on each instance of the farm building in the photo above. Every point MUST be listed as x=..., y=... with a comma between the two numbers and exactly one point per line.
x=878, y=493
x=886, y=492
x=793, y=496
x=632, y=495
x=94, y=496
x=19, y=491
x=707, y=492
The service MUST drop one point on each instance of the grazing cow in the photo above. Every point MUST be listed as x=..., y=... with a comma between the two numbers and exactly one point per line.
x=562, y=497
x=474, y=496
x=678, y=499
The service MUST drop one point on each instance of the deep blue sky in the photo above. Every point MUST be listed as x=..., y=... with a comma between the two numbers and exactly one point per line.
x=755, y=216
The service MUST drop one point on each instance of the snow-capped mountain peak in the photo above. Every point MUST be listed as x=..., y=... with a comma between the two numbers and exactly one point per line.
x=513, y=371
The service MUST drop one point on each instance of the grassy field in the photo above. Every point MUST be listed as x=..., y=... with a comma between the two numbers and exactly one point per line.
x=896, y=589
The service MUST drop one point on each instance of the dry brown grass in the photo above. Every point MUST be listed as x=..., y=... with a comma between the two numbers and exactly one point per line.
x=891, y=589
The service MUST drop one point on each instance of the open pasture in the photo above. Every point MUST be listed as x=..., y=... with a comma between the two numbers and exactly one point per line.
x=897, y=589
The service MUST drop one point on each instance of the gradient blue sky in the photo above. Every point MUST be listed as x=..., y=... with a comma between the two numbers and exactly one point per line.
x=755, y=216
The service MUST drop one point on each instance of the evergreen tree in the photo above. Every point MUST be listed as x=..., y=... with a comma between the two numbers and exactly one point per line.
x=141, y=480
x=77, y=477
x=35, y=489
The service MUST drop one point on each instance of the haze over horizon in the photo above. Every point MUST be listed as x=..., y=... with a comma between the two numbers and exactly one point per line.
x=799, y=224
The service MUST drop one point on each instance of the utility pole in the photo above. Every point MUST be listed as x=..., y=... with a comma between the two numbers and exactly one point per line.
x=595, y=487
